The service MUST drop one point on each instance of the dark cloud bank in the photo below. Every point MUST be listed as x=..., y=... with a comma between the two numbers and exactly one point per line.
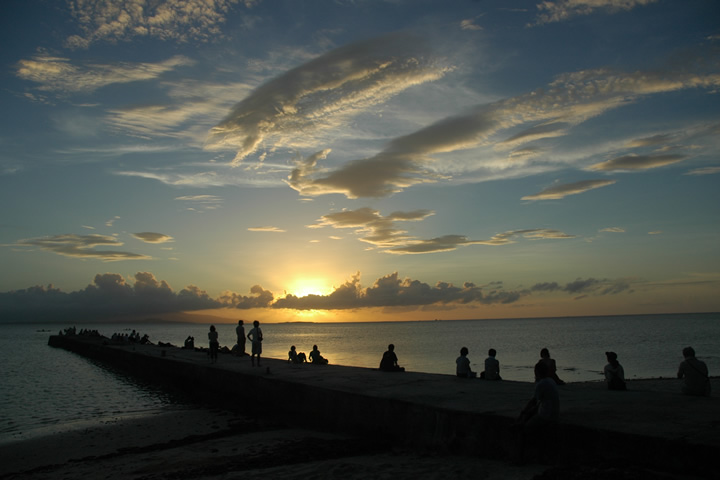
x=110, y=297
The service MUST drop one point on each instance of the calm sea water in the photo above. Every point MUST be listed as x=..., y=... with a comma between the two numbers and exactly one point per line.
x=47, y=389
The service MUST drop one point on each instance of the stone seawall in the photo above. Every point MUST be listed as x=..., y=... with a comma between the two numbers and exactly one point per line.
x=656, y=429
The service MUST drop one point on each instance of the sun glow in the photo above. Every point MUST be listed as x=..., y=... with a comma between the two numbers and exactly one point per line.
x=310, y=286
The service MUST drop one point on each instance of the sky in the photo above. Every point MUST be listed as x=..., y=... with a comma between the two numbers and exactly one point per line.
x=358, y=160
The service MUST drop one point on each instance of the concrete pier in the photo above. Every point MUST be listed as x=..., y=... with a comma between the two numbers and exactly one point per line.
x=651, y=425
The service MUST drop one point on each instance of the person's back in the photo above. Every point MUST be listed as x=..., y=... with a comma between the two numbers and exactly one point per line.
x=492, y=366
x=548, y=398
x=463, y=365
x=695, y=374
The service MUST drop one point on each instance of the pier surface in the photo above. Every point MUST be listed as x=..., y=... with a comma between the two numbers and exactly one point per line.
x=651, y=424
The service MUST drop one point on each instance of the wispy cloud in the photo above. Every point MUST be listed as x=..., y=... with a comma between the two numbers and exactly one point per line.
x=60, y=75
x=545, y=113
x=201, y=202
x=266, y=229
x=703, y=171
x=82, y=246
x=560, y=10
x=638, y=162
x=561, y=191
x=324, y=91
x=152, y=237
x=613, y=230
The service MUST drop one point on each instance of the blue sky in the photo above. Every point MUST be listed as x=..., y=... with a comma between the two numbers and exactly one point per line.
x=359, y=160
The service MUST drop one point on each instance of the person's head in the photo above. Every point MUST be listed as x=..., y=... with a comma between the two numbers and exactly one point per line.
x=611, y=357
x=545, y=353
x=314, y=347
x=391, y=347
x=688, y=352
x=212, y=328
x=492, y=352
x=240, y=322
x=292, y=348
x=464, y=351
x=256, y=323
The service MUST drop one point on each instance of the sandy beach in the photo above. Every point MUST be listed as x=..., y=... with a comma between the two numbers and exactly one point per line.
x=217, y=444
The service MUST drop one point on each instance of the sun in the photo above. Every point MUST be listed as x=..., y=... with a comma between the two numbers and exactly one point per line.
x=303, y=287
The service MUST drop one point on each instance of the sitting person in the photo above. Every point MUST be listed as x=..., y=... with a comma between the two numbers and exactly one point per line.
x=389, y=362
x=492, y=367
x=695, y=374
x=316, y=358
x=463, y=365
x=545, y=358
x=614, y=373
x=189, y=343
x=295, y=357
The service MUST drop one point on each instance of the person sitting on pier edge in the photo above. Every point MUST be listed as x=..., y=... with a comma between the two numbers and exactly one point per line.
x=295, y=357
x=614, y=373
x=695, y=374
x=189, y=343
x=316, y=358
x=256, y=337
x=463, y=365
x=492, y=367
x=389, y=362
x=214, y=344
x=550, y=362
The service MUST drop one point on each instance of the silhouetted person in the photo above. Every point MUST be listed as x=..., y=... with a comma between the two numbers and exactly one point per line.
x=492, y=367
x=550, y=362
x=695, y=374
x=214, y=344
x=189, y=343
x=240, y=332
x=614, y=373
x=538, y=420
x=389, y=362
x=295, y=357
x=316, y=358
x=256, y=337
x=463, y=365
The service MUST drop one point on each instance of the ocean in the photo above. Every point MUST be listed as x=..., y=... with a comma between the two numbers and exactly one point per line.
x=46, y=390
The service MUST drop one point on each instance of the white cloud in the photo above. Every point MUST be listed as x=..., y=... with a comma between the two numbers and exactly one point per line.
x=82, y=246
x=266, y=229
x=561, y=191
x=561, y=10
x=637, y=162
x=152, y=237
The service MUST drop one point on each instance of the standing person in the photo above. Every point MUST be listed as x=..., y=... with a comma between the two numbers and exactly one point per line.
x=214, y=344
x=463, y=365
x=240, y=331
x=256, y=337
x=695, y=373
x=550, y=362
x=492, y=367
x=538, y=420
x=389, y=362
x=614, y=373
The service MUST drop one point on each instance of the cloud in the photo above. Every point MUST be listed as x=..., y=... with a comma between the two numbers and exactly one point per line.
x=58, y=74
x=586, y=287
x=561, y=191
x=392, y=291
x=704, y=171
x=201, y=203
x=638, y=162
x=561, y=10
x=321, y=93
x=266, y=229
x=82, y=246
x=613, y=230
x=176, y=21
x=152, y=237
x=381, y=232
x=568, y=101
